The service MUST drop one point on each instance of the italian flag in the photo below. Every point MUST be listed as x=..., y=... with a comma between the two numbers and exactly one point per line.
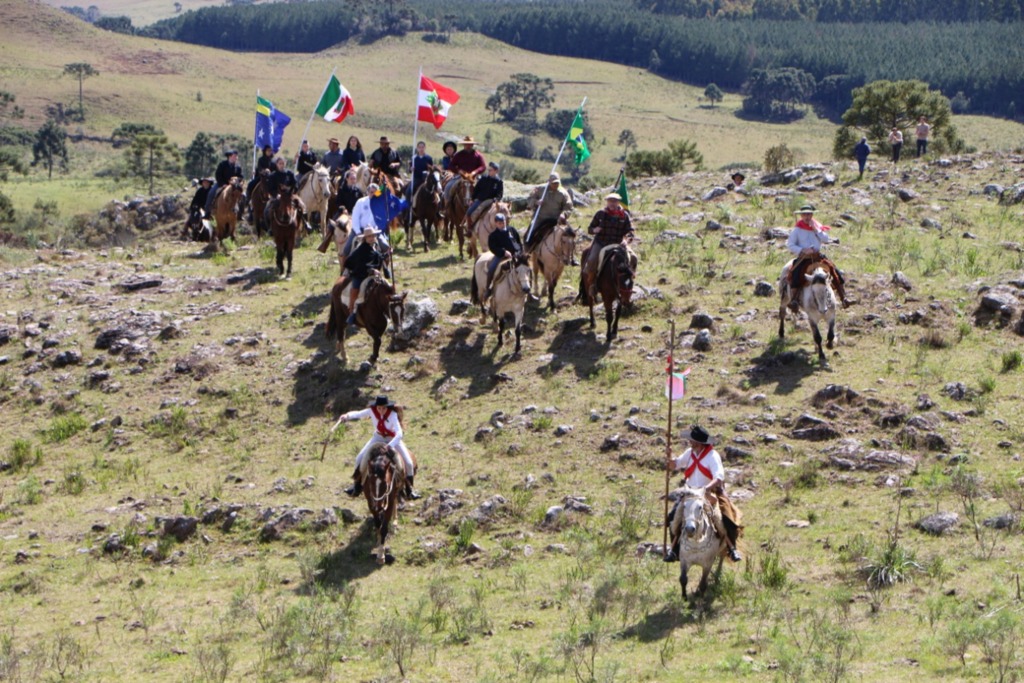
x=434, y=101
x=336, y=102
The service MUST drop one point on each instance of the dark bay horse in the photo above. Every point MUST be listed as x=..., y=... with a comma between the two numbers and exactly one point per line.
x=614, y=284
x=259, y=200
x=426, y=210
x=382, y=306
x=382, y=483
x=282, y=218
x=455, y=210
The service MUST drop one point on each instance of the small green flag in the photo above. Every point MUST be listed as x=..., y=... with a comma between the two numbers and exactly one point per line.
x=622, y=191
x=576, y=139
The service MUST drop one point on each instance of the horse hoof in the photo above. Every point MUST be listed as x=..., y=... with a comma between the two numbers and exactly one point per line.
x=389, y=558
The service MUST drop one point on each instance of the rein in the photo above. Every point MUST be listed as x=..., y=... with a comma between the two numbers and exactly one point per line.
x=377, y=499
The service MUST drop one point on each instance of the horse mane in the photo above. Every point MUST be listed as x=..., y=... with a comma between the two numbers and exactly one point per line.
x=819, y=277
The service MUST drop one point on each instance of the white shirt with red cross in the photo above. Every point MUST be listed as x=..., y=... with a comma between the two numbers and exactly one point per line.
x=700, y=467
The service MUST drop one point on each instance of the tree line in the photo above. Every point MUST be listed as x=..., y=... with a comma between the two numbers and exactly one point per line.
x=847, y=11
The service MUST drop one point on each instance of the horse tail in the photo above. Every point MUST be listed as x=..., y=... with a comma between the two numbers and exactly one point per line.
x=334, y=321
x=474, y=296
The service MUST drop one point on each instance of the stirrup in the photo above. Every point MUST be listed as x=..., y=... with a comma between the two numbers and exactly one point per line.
x=734, y=555
x=354, y=490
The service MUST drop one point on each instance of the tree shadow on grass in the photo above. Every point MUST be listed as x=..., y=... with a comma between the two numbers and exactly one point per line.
x=785, y=369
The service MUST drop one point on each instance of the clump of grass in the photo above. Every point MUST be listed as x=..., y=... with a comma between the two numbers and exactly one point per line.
x=1012, y=360
x=806, y=475
x=935, y=339
x=987, y=384
x=74, y=481
x=771, y=571
x=30, y=491
x=542, y=423
x=24, y=456
x=893, y=563
x=63, y=427
x=608, y=373
x=464, y=538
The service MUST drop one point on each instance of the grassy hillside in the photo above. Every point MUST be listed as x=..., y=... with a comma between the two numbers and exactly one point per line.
x=151, y=81
x=142, y=12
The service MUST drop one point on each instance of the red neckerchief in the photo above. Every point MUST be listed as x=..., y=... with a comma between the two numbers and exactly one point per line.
x=812, y=226
x=696, y=464
x=381, y=427
x=617, y=212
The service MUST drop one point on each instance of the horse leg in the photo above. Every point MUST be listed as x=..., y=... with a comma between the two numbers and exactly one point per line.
x=817, y=340
x=551, y=293
x=519, y=334
x=501, y=332
x=831, y=333
x=280, y=261
x=683, y=569
x=289, y=254
x=782, y=319
x=376, y=349
x=609, y=315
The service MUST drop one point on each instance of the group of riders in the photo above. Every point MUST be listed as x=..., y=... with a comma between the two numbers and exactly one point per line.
x=366, y=251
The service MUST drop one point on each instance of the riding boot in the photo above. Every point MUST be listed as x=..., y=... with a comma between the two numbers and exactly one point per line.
x=794, y=299
x=357, y=485
x=410, y=493
x=326, y=241
x=673, y=554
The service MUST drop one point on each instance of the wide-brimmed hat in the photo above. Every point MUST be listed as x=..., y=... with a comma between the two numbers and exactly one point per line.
x=806, y=208
x=382, y=401
x=333, y=141
x=370, y=231
x=384, y=138
x=613, y=195
x=206, y=180
x=468, y=140
x=553, y=178
x=230, y=152
x=739, y=175
x=699, y=435
x=449, y=143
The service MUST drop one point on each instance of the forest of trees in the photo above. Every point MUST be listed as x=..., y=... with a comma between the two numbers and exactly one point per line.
x=983, y=57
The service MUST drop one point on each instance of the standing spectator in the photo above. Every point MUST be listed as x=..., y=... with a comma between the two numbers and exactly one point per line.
x=922, y=131
x=896, y=140
x=861, y=152
x=305, y=160
x=333, y=158
x=353, y=154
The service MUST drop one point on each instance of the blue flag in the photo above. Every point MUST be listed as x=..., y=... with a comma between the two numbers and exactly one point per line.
x=270, y=124
x=385, y=208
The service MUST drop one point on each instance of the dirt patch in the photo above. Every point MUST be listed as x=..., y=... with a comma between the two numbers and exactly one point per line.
x=145, y=62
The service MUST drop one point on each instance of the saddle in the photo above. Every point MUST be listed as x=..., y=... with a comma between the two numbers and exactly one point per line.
x=606, y=253
x=800, y=267
x=367, y=285
x=480, y=212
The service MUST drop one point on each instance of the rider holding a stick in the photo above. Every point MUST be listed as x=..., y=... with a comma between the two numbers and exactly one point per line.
x=387, y=419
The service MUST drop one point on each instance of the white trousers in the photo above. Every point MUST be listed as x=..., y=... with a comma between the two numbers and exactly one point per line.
x=361, y=459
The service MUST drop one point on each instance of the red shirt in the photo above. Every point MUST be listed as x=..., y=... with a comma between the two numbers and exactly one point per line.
x=468, y=161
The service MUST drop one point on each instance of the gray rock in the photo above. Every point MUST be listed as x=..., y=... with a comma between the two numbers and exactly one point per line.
x=553, y=513
x=777, y=233
x=702, y=342
x=137, y=283
x=931, y=224
x=1012, y=195
x=113, y=545
x=902, y=281
x=906, y=195
x=670, y=236
x=181, y=527
x=635, y=425
x=817, y=432
x=924, y=402
x=460, y=306
x=7, y=332
x=713, y=226
x=828, y=180
x=66, y=358
x=419, y=315
x=830, y=392
x=938, y=523
x=957, y=391
x=764, y=289
x=702, y=321
x=714, y=193
x=993, y=189
x=999, y=301
x=562, y=430
x=734, y=453
x=1007, y=521
x=269, y=533
x=611, y=443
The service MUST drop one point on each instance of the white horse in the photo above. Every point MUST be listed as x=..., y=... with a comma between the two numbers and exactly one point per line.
x=699, y=542
x=362, y=176
x=510, y=289
x=550, y=257
x=818, y=301
x=315, y=191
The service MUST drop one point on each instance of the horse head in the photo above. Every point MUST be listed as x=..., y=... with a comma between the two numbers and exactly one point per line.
x=693, y=502
x=565, y=245
x=520, y=272
x=396, y=309
x=820, y=286
x=623, y=273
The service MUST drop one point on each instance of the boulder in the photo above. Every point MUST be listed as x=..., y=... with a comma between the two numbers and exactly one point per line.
x=906, y=195
x=764, y=289
x=938, y=523
x=419, y=315
x=66, y=358
x=1012, y=195
x=902, y=281
x=777, y=233
x=714, y=193
x=702, y=321
x=181, y=527
x=702, y=342
x=993, y=189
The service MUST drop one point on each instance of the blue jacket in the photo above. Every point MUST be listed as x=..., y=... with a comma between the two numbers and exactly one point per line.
x=420, y=166
x=862, y=150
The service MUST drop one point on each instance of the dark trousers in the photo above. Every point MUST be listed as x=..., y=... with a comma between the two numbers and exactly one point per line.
x=922, y=148
x=896, y=151
x=861, y=163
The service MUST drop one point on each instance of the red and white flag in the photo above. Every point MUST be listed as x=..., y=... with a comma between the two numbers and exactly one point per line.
x=675, y=386
x=434, y=101
x=335, y=102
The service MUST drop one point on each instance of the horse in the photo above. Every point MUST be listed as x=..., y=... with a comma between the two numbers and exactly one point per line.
x=426, y=209
x=259, y=200
x=699, y=542
x=315, y=192
x=225, y=208
x=483, y=228
x=510, y=289
x=382, y=305
x=339, y=229
x=615, y=284
x=382, y=484
x=282, y=218
x=550, y=257
x=363, y=175
x=455, y=210
x=818, y=301
x=197, y=228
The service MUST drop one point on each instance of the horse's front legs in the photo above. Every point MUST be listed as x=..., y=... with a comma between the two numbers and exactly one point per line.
x=519, y=335
x=782, y=321
x=817, y=341
x=683, y=569
x=610, y=319
x=376, y=350
x=501, y=333
x=831, y=333
x=703, y=585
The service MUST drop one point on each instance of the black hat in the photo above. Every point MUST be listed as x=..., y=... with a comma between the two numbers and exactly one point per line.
x=449, y=144
x=382, y=401
x=230, y=152
x=739, y=175
x=699, y=435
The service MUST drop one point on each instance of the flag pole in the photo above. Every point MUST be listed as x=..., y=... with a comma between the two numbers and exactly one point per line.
x=554, y=167
x=415, y=132
x=313, y=113
x=668, y=446
x=254, y=136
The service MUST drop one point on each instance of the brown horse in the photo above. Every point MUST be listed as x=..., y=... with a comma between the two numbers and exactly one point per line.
x=382, y=305
x=551, y=256
x=614, y=284
x=225, y=208
x=483, y=228
x=383, y=482
x=282, y=217
x=259, y=200
x=426, y=210
x=455, y=210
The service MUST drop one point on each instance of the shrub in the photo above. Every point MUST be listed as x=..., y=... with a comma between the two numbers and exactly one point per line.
x=522, y=147
x=778, y=158
x=64, y=427
x=1012, y=360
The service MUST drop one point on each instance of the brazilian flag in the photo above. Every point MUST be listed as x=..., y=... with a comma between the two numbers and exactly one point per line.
x=575, y=138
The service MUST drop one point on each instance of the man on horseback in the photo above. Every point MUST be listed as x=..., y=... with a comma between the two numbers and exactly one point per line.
x=385, y=159
x=805, y=242
x=611, y=225
x=359, y=265
x=226, y=170
x=305, y=160
x=702, y=469
x=333, y=158
x=468, y=161
x=556, y=204
x=264, y=165
x=283, y=179
x=489, y=189
x=387, y=419
x=503, y=243
x=421, y=165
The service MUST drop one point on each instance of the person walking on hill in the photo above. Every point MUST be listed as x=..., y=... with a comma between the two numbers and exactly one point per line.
x=896, y=140
x=921, y=133
x=861, y=152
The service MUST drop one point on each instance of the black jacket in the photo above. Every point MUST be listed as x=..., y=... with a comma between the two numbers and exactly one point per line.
x=199, y=200
x=351, y=157
x=488, y=188
x=265, y=163
x=362, y=259
x=504, y=242
x=226, y=171
x=306, y=161
x=382, y=161
x=347, y=196
x=280, y=179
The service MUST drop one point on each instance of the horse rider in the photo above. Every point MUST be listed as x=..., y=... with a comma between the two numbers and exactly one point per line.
x=385, y=159
x=359, y=265
x=202, y=192
x=333, y=157
x=467, y=160
x=805, y=242
x=611, y=225
x=226, y=170
x=388, y=430
x=348, y=194
x=305, y=160
x=556, y=204
x=362, y=219
x=264, y=164
x=503, y=242
x=422, y=163
x=448, y=149
x=353, y=154
x=702, y=469
x=282, y=178
x=489, y=189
